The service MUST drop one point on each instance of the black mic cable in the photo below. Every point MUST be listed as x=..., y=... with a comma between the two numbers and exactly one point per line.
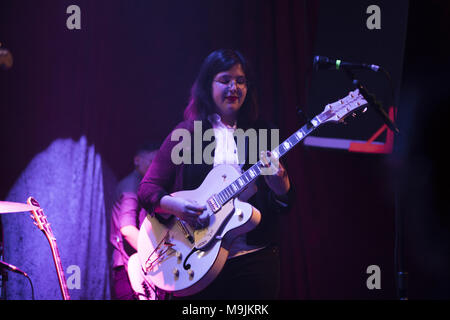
x=13, y=268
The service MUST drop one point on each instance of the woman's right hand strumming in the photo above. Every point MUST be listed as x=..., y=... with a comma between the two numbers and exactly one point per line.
x=186, y=210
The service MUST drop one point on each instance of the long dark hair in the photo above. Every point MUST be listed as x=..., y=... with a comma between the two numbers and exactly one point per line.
x=201, y=103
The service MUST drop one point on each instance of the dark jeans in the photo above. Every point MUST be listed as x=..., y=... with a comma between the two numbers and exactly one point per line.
x=122, y=289
x=253, y=276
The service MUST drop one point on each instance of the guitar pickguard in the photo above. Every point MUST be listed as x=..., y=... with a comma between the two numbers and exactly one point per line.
x=202, y=237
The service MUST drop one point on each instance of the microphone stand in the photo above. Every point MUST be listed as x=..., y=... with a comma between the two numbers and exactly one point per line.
x=370, y=98
x=401, y=275
x=4, y=276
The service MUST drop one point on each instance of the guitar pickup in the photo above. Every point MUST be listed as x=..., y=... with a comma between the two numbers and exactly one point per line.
x=213, y=204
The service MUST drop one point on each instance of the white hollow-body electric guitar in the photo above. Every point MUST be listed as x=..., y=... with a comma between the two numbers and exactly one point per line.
x=181, y=260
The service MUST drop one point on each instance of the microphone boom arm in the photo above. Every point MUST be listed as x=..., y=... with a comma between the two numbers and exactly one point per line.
x=370, y=98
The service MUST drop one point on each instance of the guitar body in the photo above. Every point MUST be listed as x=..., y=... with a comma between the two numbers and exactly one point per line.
x=142, y=289
x=183, y=265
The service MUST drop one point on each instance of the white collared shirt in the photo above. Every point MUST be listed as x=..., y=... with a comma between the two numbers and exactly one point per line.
x=226, y=149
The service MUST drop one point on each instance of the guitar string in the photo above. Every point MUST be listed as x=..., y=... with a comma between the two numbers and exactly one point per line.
x=157, y=247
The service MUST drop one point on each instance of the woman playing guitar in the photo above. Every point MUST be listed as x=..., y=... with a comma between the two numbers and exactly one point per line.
x=223, y=98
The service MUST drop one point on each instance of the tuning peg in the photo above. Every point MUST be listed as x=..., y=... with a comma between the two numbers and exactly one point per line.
x=364, y=110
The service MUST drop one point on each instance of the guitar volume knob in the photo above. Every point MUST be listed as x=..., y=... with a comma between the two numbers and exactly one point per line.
x=179, y=256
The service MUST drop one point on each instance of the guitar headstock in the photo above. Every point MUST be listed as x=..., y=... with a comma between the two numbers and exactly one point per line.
x=40, y=219
x=339, y=110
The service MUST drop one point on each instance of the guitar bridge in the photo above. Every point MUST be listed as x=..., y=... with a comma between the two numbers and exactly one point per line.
x=214, y=204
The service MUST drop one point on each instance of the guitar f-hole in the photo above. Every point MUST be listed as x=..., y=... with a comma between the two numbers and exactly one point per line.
x=188, y=266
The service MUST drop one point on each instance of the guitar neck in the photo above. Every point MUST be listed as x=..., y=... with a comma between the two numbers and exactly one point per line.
x=40, y=220
x=58, y=266
x=237, y=186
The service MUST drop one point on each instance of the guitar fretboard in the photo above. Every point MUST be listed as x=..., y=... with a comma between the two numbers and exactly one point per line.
x=58, y=266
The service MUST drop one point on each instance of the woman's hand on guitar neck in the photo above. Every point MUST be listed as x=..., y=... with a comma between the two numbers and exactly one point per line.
x=186, y=210
x=274, y=173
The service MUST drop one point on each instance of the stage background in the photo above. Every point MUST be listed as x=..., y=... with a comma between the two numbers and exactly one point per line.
x=124, y=79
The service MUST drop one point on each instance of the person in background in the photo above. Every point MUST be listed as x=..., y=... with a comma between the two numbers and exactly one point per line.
x=126, y=218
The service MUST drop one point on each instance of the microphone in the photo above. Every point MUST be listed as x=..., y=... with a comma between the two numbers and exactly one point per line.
x=12, y=268
x=321, y=62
